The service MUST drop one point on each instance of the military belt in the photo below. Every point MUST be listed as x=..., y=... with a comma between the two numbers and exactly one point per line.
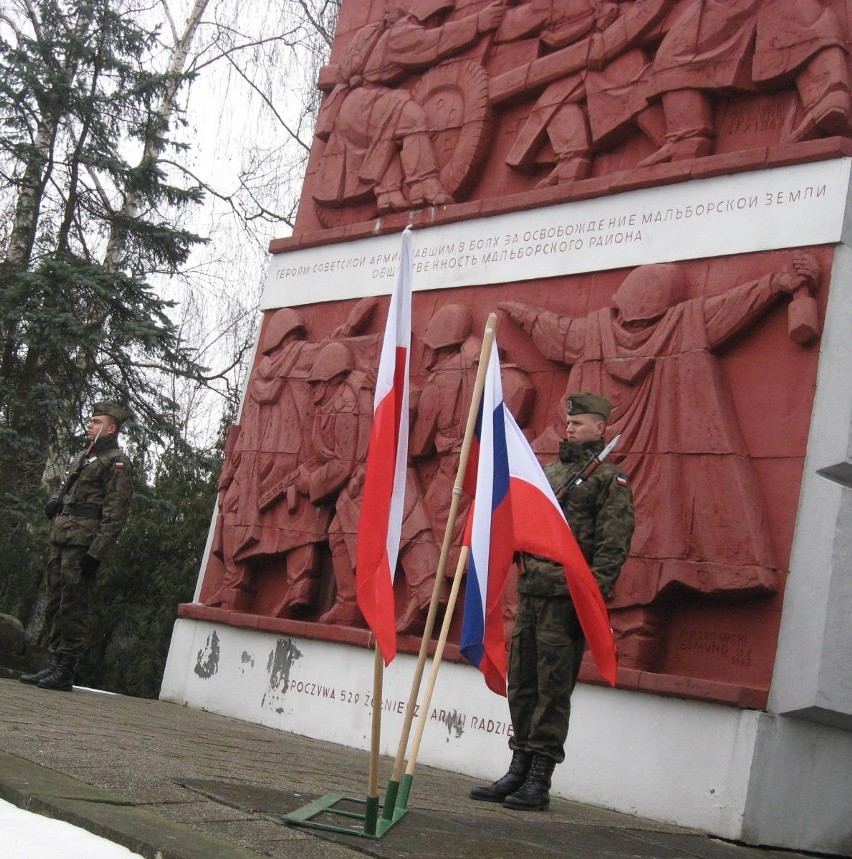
x=83, y=511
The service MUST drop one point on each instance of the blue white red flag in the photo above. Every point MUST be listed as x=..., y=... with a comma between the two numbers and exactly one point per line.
x=515, y=510
x=489, y=535
x=539, y=527
x=380, y=525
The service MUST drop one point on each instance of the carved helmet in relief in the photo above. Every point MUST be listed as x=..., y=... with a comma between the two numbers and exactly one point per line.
x=649, y=291
x=332, y=360
x=450, y=326
x=279, y=326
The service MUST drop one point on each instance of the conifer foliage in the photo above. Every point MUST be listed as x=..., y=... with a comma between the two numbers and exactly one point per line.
x=90, y=216
x=98, y=196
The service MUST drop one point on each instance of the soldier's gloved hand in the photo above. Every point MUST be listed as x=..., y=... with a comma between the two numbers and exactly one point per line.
x=89, y=565
x=51, y=508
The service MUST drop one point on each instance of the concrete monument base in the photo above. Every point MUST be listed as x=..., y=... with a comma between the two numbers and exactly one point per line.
x=739, y=774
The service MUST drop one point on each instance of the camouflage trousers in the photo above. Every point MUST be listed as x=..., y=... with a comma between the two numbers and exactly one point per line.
x=69, y=601
x=544, y=662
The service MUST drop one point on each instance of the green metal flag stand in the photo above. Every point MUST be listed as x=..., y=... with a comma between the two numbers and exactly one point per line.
x=363, y=814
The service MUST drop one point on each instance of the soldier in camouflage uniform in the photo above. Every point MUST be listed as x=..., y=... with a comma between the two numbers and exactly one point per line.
x=547, y=641
x=86, y=519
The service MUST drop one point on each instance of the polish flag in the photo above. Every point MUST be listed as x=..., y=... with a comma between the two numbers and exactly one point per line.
x=380, y=525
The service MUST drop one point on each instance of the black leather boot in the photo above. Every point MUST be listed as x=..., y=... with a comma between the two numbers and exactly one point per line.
x=509, y=783
x=534, y=794
x=62, y=677
x=40, y=675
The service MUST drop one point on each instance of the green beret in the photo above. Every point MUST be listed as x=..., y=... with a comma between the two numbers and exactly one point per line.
x=112, y=410
x=589, y=404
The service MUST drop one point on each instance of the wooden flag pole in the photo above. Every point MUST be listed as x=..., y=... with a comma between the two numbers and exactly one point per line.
x=393, y=784
x=394, y=798
x=405, y=785
x=371, y=813
x=314, y=814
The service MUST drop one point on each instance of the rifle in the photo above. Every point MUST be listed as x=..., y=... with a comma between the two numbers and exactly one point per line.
x=65, y=501
x=587, y=470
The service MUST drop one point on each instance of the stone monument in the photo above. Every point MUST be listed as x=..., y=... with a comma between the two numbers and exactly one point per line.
x=653, y=195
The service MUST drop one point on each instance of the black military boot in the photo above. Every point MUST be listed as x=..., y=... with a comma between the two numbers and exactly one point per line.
x=534, y=794
x=40, y=675
x=62, y=677
x=509, y=783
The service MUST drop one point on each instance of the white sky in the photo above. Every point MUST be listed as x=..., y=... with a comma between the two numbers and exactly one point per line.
x=234, y=136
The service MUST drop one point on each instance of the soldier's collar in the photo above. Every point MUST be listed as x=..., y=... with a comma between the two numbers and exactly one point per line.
x=572, y=451
x=106, y=443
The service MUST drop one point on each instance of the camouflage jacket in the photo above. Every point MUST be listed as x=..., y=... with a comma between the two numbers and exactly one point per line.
x=600, y=513
x=99, y=500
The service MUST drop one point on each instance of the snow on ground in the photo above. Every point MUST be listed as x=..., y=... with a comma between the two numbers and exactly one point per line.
x=24, y=835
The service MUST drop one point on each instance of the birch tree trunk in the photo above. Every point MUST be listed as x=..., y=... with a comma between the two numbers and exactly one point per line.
x=154, y=142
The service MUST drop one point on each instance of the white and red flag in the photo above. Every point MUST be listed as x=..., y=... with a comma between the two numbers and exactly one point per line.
x=515, y=510
x=380, y=525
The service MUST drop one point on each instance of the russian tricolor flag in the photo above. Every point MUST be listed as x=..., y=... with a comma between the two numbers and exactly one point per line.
x=380, y=525
x=525, y=517
x=489, y=535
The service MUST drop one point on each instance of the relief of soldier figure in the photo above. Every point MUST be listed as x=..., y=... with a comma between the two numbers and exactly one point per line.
x=701, y=524
x=290, y=490
x=261, y=517
x=378, y=138
x=416, y=100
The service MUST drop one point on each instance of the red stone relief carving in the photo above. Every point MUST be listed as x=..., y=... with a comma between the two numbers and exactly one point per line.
x=379, y=136
x=272, y=461
x=700, y=520
x=290, y=491
x=455, y=102
x=711, y=364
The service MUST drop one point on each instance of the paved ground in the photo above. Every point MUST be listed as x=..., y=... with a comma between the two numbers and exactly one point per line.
x=167, y=781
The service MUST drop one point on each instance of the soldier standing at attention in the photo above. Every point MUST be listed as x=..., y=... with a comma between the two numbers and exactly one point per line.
x=87, y=517
x=547, y=641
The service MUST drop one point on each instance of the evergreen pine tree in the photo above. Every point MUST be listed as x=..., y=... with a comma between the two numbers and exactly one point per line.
x=79, y=318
